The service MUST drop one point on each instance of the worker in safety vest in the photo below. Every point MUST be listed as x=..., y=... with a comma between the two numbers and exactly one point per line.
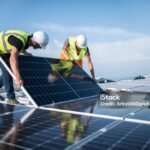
x=14, y=42
x=75, y=48
x=65, y=68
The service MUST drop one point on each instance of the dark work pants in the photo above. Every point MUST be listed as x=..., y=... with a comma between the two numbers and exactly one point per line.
x=7, y=81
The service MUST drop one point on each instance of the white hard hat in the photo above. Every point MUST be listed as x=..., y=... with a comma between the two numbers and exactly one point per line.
x=41, y=38
x=81, y=41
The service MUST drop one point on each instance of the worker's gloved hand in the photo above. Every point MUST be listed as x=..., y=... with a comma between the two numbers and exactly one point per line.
x=52, y=78
x=19, y=82
x=95, y=80
x=26, y=53
x=88, y=79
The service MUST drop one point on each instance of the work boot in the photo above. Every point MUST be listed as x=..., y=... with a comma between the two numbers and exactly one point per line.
x=12, y=101
x=2, y=98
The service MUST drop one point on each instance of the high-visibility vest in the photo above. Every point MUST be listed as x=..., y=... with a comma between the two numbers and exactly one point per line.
x=5, y=46
x=72, y=50
x=63, y=67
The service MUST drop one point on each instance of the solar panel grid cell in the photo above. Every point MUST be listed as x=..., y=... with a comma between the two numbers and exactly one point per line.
x=42, y=129
x=124, y=136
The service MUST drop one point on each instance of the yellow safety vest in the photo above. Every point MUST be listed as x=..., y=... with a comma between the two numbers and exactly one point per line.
x=5, y=47
x=72, y=50
x=63, y=67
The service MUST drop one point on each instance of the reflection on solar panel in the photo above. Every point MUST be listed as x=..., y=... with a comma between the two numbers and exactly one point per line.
x=124, y=136
x=35, y=129
x=7, y=109
x=49, y=80
x=71, y=125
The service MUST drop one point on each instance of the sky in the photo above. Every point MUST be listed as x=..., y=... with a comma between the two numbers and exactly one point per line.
x=118, y=31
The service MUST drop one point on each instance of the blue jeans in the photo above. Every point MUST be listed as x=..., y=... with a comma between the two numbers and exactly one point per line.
x=7, y=81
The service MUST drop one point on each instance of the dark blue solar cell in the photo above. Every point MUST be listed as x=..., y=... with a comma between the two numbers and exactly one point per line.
x=43, y=129
x=52, y=80
x=124, y=136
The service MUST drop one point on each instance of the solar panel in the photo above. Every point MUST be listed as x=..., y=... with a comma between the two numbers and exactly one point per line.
x=8, y=109
x=29, y=128
x=124, y=136
x=91, y=105
x=142, y=114
x=49, y=80
x=141, y=85
x=77, y=121
x=42, y=129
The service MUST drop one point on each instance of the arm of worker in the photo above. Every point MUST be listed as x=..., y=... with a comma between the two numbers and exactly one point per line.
x=90, y=65
x=17, y=46
x=14, y=66
x=65, y=46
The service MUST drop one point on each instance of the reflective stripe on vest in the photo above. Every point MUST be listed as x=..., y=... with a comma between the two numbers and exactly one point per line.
x=3, y=42
x=72, y=50
x=5, y=47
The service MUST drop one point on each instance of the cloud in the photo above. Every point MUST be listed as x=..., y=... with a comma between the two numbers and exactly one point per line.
x=121, y=51
x=52, y=50
x=57, y=43
x=52, y=27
